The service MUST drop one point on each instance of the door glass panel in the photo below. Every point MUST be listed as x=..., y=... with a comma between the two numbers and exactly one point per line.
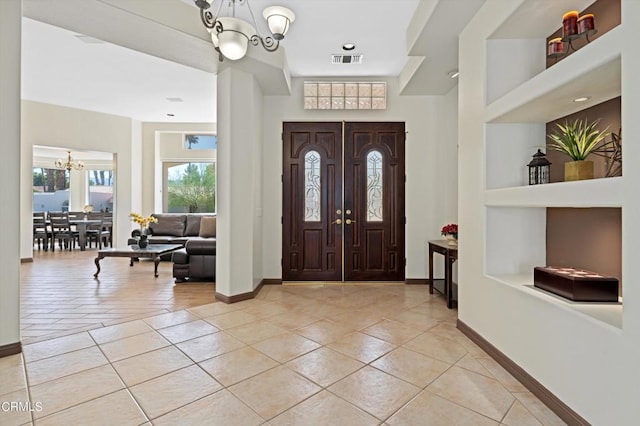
x=374, y=186
x=312, y=187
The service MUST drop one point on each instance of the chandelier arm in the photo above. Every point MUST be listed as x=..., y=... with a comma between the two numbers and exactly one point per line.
x=208, y=19
x=269, y=43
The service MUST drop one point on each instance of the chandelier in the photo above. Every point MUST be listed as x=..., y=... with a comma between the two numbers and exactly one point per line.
x=69, y=163
x=231, y=35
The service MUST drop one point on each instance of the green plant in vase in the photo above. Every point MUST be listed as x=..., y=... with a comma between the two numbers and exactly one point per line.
x=577, y=139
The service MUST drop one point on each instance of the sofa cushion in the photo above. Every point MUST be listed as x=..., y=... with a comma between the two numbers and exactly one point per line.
x=193, y=225
x=207, y=227
x=170, y=225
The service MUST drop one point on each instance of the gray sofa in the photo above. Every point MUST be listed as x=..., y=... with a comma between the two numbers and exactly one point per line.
x=178, y=228
x=197, y=260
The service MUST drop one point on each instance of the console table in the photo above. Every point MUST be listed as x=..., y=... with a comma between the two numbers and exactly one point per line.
x=450, y=254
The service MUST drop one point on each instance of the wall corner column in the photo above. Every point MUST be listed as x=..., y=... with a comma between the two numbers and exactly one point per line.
x=238, y=116
x=10, y=56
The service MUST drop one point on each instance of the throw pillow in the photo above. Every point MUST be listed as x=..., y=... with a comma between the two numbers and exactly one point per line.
x=208, y=227
x=193, y=225
x=169, y=225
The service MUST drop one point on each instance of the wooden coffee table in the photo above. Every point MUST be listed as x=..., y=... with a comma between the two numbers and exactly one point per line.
x=152, y=251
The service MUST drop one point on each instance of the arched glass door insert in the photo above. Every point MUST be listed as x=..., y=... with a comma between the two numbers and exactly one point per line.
x=374, y=187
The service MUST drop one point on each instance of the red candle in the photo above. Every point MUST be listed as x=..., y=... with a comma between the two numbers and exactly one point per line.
x=570, y=24
x=555, y=46
x=586, y=23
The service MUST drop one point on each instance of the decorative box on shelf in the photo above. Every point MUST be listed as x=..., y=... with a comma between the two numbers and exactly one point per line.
x=576, y=284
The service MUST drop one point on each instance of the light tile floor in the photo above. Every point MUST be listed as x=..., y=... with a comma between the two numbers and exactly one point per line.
x=296, y=355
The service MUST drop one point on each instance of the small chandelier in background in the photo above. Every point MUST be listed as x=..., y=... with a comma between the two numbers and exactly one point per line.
x=231, y=35
x=69, y=163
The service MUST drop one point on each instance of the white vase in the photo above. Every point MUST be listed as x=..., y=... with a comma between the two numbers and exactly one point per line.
x=451, y=239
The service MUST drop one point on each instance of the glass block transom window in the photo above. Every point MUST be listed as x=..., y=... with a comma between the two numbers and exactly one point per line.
x=345, y=95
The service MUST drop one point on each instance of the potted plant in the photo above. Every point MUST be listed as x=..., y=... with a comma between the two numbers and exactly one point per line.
x=450, y=233
x=577, y=139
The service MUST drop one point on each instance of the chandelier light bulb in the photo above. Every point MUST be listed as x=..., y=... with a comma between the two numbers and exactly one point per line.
x=233, y=40
x=279, y=20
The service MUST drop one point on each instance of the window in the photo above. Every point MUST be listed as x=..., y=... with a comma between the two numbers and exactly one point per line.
x=190, y=188
x=312, y=188
x=345, y=95
x=50, y=189
x=101, y=189
x=200, y=141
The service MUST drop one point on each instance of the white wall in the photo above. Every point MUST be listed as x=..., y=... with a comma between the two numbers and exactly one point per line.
x=431, y=125
x=258, y=194
x=590, y=365
x=75, y=129
x=10, y=199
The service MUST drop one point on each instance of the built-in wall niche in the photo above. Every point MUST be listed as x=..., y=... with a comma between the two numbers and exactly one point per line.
x=609, y=114
x=521, y=238
x=607, y=15
x=586, y=238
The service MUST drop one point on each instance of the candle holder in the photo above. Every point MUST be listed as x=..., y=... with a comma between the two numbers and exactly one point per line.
x=573, y=28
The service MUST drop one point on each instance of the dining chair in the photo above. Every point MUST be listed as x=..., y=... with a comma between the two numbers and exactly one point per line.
x=108, y=225
x=76, y=215
x=61, y=231
x=40, y=230
x=100, y=233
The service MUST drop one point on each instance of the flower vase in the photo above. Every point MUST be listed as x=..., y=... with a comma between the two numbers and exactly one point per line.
x=451, y=239
x=143, y=242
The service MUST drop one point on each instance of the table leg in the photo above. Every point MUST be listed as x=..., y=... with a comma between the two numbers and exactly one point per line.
x=430, y=269
x=156, y=261
x=82, y=235
x=97, y=262
x=448, y=286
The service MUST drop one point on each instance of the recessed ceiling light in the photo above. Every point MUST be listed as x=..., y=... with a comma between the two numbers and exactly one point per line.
x=582, y=99
x=453, y=73
x=348, y=46
x=175, y=99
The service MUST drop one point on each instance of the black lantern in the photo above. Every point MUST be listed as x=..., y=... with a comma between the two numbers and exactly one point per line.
x=539, y=169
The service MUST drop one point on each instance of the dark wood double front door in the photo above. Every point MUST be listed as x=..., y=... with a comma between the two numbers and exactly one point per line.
x=343, y=201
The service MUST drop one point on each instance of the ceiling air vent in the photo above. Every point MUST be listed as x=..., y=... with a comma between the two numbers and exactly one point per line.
x=346, y=59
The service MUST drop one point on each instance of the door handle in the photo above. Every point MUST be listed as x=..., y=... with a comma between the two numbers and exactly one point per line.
x=337, y=222
x=348, y=211
x=349, y=221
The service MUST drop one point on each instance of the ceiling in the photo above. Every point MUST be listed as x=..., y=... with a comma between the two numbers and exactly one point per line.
x=116, y=77
x=59, y=68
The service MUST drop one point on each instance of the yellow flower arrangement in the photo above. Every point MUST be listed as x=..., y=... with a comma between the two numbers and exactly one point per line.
x=143, y=221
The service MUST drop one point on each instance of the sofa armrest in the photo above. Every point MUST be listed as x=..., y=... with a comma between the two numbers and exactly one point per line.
x=201, y=246
x=180, y=256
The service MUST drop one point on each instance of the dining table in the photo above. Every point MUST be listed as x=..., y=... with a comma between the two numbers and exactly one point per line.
x=81, y=226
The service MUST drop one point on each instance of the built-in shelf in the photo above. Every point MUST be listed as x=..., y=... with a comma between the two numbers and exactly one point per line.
x=605, y=192
x=594, y=70
x=603, y=314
